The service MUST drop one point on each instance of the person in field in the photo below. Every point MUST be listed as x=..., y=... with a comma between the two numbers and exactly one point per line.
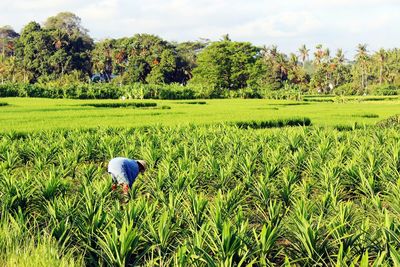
x=124, y=172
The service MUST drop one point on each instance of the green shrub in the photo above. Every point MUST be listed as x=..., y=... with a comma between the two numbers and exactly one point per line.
x=384, y=89
x=176, y=91
x=283, y=95
x=345, y=89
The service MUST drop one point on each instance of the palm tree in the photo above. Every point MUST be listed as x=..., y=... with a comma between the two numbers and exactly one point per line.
x=304, y=53
x=293, y=59
x=60, y=57
x=362, y=57
x=339, y=57
x=273, y=51
x=280, y=66
x=318, y=54
x=327, y=54
x=381, y=57
x=59, y=39
x=336, y=65
x=226, y=38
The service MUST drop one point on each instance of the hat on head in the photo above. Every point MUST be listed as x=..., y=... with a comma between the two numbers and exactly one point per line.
x=142, y=163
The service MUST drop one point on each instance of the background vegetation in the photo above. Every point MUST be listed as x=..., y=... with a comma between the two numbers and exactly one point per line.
x=57, y=59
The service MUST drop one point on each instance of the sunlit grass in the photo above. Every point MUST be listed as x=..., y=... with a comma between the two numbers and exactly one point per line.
x=29, y=114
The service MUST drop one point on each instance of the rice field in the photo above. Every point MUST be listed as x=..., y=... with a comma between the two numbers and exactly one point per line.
x=30, y=114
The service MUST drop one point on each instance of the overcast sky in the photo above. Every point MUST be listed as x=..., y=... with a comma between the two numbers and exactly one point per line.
x=286, y=23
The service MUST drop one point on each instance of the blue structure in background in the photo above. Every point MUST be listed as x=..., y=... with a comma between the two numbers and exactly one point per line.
x=102, y=77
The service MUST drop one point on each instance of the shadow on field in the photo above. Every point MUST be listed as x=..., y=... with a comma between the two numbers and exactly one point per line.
x=193, y=102
x=273, y=123
x=120, y=105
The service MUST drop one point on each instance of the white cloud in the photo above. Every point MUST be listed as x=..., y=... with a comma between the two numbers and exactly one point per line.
x=99, y=11
x=335, y=23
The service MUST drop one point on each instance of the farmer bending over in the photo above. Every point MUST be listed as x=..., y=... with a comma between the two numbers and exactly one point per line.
x=124, y=172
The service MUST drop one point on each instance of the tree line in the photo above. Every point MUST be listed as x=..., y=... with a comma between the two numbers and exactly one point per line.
x=60, y=52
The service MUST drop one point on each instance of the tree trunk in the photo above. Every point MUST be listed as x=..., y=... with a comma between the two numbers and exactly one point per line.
x=4, y=47
x=362, y=80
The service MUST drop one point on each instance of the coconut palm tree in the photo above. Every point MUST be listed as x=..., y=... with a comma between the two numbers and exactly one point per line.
x=339, y=56
x=336, y=66
x=318, y=55
x=304, y=53
x=293, y=59
x=362, y=58
x=59, y=39
x=327, y=54
x=381, y=56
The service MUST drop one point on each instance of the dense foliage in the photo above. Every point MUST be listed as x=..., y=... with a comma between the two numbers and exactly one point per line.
x=61, y=52
x=102, y=91
x=213, y=196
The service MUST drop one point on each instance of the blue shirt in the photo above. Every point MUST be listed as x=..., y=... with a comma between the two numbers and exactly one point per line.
x=123, y=170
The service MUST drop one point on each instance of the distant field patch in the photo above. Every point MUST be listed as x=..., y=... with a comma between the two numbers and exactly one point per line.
x=193, y=102
x=292, y=104
x=273, y=123
x=344, y=128
x=378, y=98
x=268, y=108
x=318, y=100
x=120, y=105
x=366, y=115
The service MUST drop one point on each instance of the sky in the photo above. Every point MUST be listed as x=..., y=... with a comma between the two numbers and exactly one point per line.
x=285, y=23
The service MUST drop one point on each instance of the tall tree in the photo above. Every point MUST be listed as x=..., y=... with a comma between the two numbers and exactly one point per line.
x=7, y=40
x=381, y=57
x=187, y=53
x=68, y=33
x=225, y=65
x=340, y=72
x=362, y=60
x=102, y=57
x=304, y=53
x=147, y=56
x=67, y=22
x=33, y=50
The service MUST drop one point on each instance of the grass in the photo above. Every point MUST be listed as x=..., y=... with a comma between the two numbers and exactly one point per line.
x=30, y=114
